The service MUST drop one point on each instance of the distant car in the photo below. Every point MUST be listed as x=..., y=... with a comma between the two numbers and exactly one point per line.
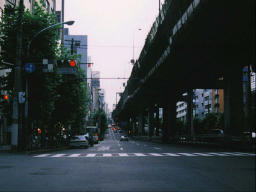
x=124, y=138
x=78, y=141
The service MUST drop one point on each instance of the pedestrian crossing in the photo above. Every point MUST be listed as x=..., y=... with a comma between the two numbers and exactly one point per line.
x=106, y=155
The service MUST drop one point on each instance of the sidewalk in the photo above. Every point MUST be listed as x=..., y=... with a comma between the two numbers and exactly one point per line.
x=233, y=145
x=8, y=148
x=5, y=147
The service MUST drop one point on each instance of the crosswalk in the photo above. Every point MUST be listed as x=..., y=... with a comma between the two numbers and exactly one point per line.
x=97, y=155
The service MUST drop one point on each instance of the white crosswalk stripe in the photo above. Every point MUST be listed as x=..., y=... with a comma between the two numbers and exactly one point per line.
x=171, y=154
x=187, y=154
x=58, y=155
x=140, y=154
x=204, y=154
x=43, y=155
x=91, y=155
x=156, y=154
x=123, y=154
x=218, y=154
x=107, y=155
x=74, y=155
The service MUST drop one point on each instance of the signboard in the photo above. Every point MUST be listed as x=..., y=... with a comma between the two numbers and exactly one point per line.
x=30, y=67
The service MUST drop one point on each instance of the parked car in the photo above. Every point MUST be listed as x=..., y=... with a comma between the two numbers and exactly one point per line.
x=78, y=141
x=89, y=138
x=124, y=138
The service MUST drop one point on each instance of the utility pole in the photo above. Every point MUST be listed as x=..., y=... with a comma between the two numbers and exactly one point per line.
x=62, y=20
x=72, y=46
x=16, y=128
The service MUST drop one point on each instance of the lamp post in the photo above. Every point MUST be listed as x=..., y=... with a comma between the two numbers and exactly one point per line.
x=133, y=59
x=47, y=28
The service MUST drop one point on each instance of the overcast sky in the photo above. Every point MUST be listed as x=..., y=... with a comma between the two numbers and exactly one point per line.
x=111, y=26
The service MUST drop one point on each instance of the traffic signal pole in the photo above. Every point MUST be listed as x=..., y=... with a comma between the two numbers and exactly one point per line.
x=16, y=128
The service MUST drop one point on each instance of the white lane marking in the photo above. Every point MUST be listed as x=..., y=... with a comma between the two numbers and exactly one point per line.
x=156, y=154
x=140, y=154
x=123, y=155
x=218, y=154
x=58, y=155
x=145, y=145
x=91, y=155
x=43, y=155
x=137, y=144
x=157, y=148
x=121, y=149
x=171, y=154
x=203, y=154
x=187, y=154
x=107, y=155
x=74, y=155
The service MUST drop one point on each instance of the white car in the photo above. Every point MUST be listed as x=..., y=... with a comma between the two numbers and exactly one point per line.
x=78, y=141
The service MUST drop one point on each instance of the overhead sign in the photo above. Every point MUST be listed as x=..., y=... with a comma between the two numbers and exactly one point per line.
x=30, y=67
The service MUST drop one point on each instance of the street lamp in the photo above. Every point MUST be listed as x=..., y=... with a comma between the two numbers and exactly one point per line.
x=49, y=27
x=133, y=60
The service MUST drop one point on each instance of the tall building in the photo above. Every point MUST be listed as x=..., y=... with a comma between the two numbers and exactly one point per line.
x=202, y=104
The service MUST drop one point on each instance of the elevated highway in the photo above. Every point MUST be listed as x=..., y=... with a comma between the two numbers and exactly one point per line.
x=192, y=44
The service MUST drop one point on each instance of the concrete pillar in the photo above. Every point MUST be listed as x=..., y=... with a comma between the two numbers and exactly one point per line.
x=169, y=116
x=141, y=124
x=134, y=126
x=233, y=103
x=150, y=121
x=157, y=122
x=190, y=126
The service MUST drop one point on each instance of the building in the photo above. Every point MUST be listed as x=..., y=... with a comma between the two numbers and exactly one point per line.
x=202, y=103
x=95, y=86
x=218, y=100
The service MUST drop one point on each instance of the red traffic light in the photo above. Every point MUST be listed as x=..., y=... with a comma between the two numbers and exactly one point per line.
x=6, y=97
x=72, y=63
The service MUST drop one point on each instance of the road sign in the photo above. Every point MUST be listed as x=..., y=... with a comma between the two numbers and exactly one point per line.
x=30, y=67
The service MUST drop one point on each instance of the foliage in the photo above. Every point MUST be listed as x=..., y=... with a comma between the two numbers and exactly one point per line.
x=180, y=126
x=100, y=118
x=52, y=97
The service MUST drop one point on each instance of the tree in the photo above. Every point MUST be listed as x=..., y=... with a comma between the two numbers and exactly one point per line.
x=100, y=118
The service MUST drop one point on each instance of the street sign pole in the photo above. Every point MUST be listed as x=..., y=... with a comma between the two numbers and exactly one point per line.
x=16, y=127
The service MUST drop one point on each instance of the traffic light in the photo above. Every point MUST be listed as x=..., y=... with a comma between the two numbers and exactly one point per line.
x=66, y=63
x=72, y=63
x=5, y=97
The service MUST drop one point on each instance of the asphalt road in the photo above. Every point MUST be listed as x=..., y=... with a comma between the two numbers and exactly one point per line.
x=114, y=165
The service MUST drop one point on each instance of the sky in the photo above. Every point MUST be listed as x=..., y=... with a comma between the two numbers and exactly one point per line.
x=114, y=28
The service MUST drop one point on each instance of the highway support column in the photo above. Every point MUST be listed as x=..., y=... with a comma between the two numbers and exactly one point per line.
x=169, y=116
x=150, y=122
x=233, y=104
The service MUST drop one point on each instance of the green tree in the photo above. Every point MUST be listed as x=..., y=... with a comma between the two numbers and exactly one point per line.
x=100, y=118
